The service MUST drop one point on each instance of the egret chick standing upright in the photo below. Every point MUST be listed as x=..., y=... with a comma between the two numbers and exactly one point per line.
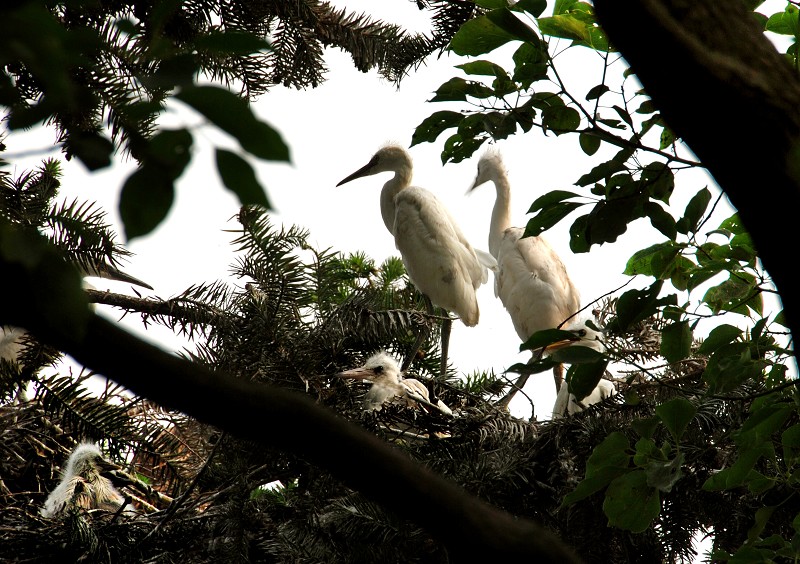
x=437, y=256
x=530, y=280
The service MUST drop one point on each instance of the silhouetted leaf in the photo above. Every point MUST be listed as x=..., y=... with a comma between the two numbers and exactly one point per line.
x=433, y=125
x=676, y=341
x=145, y=201
x=479, y=36
x=233, y=115
x=240, y=178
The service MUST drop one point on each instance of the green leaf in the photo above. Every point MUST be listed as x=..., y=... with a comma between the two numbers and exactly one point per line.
x=636, y=305
x=630, y=503
x=145, y=200
x=479, y=36
x=694, y=211
x=676, y=341
x=234, y=115
x=483, y=68
x=549, y=217
x=584, y=377
x=589, y=143
x=719, y=336
x=596, y=91
x=433, y=125
x=508, y=22
x=561, y=119
x=676, y=415
x=547, y=337
x=240, y=178
x=735, y=475
x=645, y=426
x=659, y=180
x=608, y=460
x=533, y=7
x=93, y=150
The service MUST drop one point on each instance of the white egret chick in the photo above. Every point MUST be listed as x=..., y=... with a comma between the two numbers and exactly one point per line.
x=388, y=384
x=566, y=404
x=83, y=486
x=530, y=280
x=439, y=260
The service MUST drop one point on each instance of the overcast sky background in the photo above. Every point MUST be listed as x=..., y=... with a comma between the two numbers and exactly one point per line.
x=332, y=131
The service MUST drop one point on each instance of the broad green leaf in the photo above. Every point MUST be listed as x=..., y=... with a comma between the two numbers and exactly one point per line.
x=433, y=125
x=694, y=211
x=608, y=460
x=483, y=68
x=145, y=200
x=508, y=22
x=660, y=181
x=479, y=36
x=596, y=91
x=547, y=337
x=630, y=503
x=676, y=341
x=549, y=217
x=589, y=143
x=234, y=115
x=240, y=178
x=551, y=198
x=790, y=441
x=635, y=305
x=584, y=377
x=676, y=415
x=762, y=424
x=719, y=336
x=93, y=150
x=581, y=355
x=530, y=64
x=533, y=7
x=561, y=119
x=762, y=516
x=646, y=426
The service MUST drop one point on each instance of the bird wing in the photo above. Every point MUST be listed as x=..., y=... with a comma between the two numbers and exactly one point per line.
x=533, y=283
x=415, y=389
x=438, y=258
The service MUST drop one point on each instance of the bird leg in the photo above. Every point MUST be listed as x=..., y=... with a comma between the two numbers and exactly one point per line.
x=422, y=335
x=447, y=324
x=558, y=375
x=515, y=387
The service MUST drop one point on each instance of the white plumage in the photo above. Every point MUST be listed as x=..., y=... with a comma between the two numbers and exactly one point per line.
x=388, y=384
x=566, y=404
x=440, y=261
x=531, y=279
x=82, y=485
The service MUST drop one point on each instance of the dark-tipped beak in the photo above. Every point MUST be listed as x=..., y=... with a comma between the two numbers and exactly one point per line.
x=105, y=270
x=357, y=374
x=365, y=170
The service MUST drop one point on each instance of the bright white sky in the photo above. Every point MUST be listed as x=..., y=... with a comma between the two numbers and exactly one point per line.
x=334, y=130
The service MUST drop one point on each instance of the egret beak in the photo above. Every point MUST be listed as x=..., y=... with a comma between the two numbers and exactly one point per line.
x=104, y=270
x=357, y=374
x=365, y=170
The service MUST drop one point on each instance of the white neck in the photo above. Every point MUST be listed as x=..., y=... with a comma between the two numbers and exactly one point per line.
x=400, y=180
x=501, y=213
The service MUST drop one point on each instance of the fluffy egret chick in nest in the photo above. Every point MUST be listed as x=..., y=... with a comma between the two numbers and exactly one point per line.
x=83, y=486
x=388, y=385
x=439, y=259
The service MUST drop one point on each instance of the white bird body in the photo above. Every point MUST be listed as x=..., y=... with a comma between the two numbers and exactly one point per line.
x=531, y=279
x=566, y=404
x=438, y=257
x=388, y=384
x=83, y=486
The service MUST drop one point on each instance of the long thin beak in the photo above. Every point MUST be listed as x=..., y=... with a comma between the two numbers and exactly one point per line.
x=475, y=184
x=103, y=270
x=363, y=171
x=357, y=374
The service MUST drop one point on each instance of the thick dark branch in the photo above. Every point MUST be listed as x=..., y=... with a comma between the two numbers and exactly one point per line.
x=472, y=529
x=722, y=87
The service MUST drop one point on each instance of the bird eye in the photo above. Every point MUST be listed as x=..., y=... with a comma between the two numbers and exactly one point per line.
x=582, y=333
x=378, y=369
